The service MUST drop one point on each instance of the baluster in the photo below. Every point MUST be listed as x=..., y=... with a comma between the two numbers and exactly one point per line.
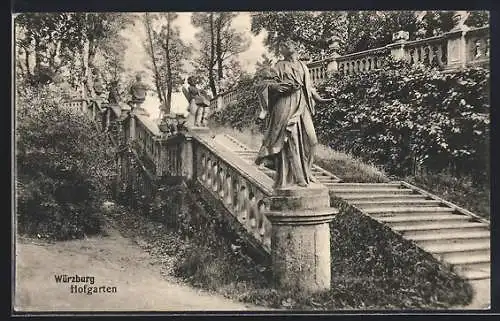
x=228, y=189
x=439, y=55
x=351, y=66
x=215, y=175
x=476, y=49
x=242, y=202
x=235, y=192
x=431, y=55
x=209, y=171
x=487, y=47
x=252, y=210
x=422, y=55
x=261, y=207
x=222, y=186
x=203, y=169
x=415, y=56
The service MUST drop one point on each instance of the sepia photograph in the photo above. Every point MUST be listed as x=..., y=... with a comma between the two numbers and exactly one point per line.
x=251, y=161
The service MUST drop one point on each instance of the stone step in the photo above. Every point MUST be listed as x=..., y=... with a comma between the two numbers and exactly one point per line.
x=366, y=204
x=367, y=190
x=449, y=237
x=409, y=209
x=440, y=227
x=475, y=274
x=408, y=220
x=354, y=197
x=326, y=180
x=471, y=245
x=416, y=216
x=478, y=265
x=370, y=185
x=465, y=257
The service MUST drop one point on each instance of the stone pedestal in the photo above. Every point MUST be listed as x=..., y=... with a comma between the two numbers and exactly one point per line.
x=300, y=238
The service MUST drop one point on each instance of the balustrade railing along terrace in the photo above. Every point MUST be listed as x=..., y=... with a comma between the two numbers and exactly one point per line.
x=239, y=187
x=451, y=50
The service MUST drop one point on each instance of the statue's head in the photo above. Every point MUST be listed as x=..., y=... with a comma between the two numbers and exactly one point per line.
x=289, y=47
x=192, y=80
x=138, y=77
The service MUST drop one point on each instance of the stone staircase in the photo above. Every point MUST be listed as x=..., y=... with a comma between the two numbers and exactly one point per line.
x=450, y=233
x=249, y=155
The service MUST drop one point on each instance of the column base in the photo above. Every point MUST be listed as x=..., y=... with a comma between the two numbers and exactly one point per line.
x=300, y=238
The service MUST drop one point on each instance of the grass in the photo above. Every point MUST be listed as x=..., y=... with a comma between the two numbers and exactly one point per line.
x=348, y=167
x=351, y=169
x=372, y=268
x=460, y=191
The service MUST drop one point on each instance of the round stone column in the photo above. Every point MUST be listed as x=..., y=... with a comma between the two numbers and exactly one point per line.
x=300, y=237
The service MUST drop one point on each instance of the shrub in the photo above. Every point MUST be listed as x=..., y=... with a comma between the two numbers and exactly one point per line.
x=244, y=110
x=399, y=117
x=404, y=114
x=372, y=267
x=63, y=166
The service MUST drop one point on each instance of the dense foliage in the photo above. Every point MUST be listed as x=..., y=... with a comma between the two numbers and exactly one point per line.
x=354, y=31
x=63, y=166
x=244, y=110
x=403, y=116
x=372, y=268
x=400, y=117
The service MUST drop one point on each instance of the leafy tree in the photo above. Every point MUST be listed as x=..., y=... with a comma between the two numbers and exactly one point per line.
x=355, y=31
x=317, y=32
x=65, y=43
x=220, y=43
x=478, y=18
x=167, y=54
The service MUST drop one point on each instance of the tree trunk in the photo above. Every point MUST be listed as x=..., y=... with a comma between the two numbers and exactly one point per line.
x=169, y=68
x=36, y=69
x=27, y=62
x=211, y=77
x=153, y=59
x=218, y=31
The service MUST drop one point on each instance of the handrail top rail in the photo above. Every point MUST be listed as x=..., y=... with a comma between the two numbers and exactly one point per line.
x=249, y=172
x=473, y=31
x=148, y=124
x=417, y=42
x=378, y=50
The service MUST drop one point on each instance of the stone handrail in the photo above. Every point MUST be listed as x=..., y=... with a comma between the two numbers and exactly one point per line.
x=223, y=99
x=478, y=46
x=360, y=62
x=240, y=187
x=429, y=51
x=290, y=226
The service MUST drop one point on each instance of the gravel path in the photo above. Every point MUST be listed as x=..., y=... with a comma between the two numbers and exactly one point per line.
x=113, y=261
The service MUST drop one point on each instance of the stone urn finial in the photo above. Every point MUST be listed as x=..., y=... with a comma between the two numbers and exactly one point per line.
x=400, y=36
x=459, y=18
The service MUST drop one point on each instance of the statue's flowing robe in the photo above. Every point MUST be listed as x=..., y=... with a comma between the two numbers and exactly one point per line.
x=290, y=133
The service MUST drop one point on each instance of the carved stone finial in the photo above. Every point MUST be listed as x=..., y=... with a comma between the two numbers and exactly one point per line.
x=459, y=18
x=400, y=36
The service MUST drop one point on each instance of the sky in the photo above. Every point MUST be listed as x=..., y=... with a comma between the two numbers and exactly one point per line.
x=136, y=58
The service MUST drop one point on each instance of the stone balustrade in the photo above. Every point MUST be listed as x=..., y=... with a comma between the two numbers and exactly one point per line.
x=241, y=189
x=222, y=100
x=430, y=51
x=454, y=49
x=147, y=155
x=477, y=46
x=360, y=62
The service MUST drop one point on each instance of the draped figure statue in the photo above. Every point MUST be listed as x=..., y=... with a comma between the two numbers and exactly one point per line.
x=287, y=96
